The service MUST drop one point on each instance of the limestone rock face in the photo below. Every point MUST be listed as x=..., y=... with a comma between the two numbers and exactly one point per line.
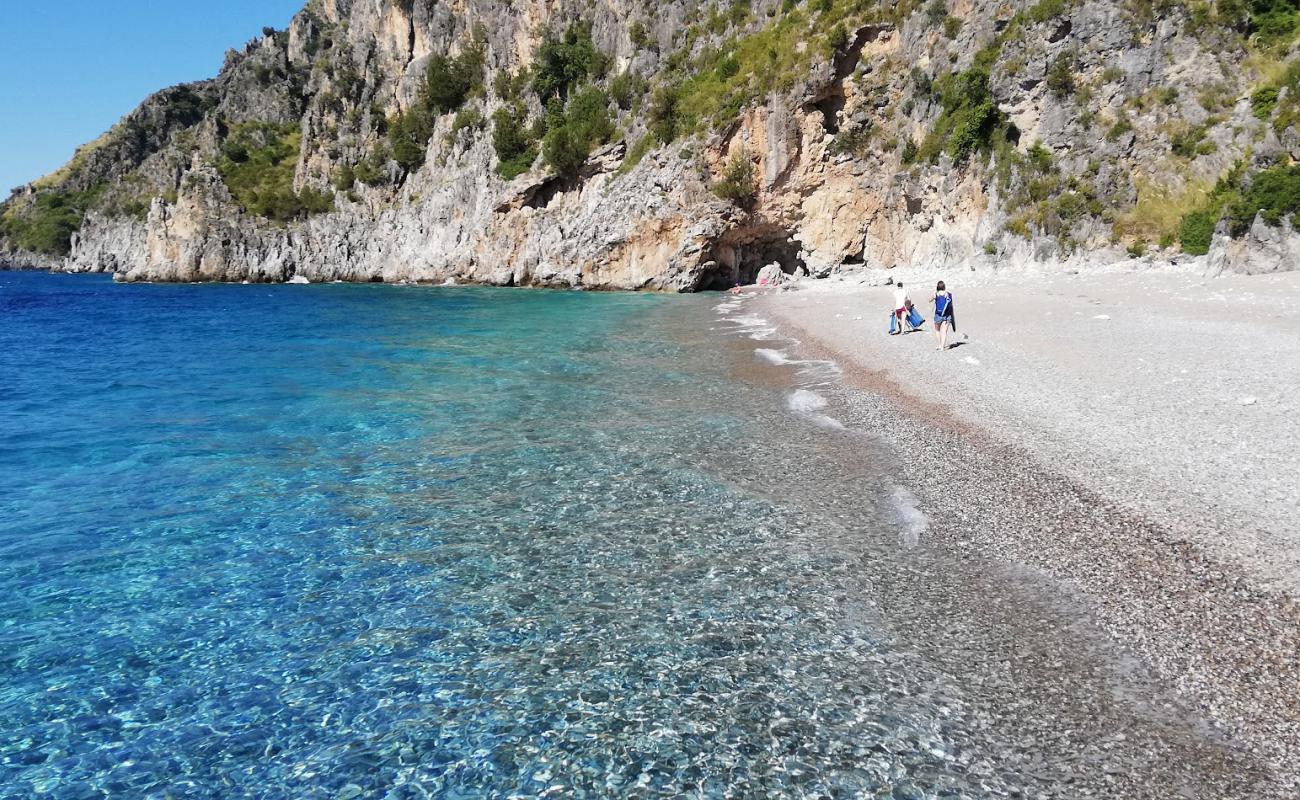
x=203, y=237
x=26, y=260
x=838, y=186
x=107, y=244
x=1264, y=249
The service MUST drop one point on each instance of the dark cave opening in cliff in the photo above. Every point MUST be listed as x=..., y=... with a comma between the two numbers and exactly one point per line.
x=832, y=99
x=829, y=102
x=541, y=195
x=830, y=108
x=741, y=253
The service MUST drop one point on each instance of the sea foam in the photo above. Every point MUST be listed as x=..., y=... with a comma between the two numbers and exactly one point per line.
x=778, y=357
x=907, y=511
x=805, y=401
x=808, y=404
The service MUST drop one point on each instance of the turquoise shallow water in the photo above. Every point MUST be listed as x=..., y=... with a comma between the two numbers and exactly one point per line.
x=346, y=541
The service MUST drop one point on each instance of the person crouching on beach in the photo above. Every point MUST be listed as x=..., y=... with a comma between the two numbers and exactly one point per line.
x=944, y=320
x=902, y=308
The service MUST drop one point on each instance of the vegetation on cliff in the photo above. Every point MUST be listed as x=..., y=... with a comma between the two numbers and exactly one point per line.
x=47, y=226
x=257, y=164
x=515, y=144
x=738, y=179
x=566, y=79
x=1161, y=151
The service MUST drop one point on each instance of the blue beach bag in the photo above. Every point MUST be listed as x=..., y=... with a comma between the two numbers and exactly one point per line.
x=914, y=319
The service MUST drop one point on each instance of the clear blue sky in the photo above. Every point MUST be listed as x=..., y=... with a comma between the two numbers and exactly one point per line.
x=70, y=69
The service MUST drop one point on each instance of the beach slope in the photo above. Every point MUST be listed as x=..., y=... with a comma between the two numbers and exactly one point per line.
x=1129, y=435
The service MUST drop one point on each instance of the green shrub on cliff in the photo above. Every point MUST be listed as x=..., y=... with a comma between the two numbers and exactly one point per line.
x=853, y=140
x=738, y=180
x=1270, y=98
x=664, y=118
x=588, y=116
x=627, y=89
x=466, y=119
x=314, y=201
x=638, y=35
x=370, y=170
x=1196, y=228
x=1273, y=194
x=516, y=148
x=1060, y=75
x=582, y=126
x=345, y=177
x=908, y=151
x=969, y=118
x=1122, y=126
x=449, y=81
x=47, y=226
x=1274, y=22
x=1196, y=231
x=935, y=11
x=184, y=107
x=408, y=137
x=1263, y=101
x=1046, y=10
x=562, y=150
x=1189, y=141
x=262, y=179
x=564, y=62
x=837, y=41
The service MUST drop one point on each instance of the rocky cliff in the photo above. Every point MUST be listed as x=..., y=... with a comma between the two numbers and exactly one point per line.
x=683, y=145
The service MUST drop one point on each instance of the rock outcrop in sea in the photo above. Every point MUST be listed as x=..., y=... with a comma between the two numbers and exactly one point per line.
x=685, y=145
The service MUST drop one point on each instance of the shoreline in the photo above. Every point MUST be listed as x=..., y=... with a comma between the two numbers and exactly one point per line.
x=1213, y=621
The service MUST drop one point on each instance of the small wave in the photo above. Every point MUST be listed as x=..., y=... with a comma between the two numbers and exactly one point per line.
x=826, y=421
x=813, y=373
x=805, y=401
x=819, y=373
x=777, y=357
x=748, y=321
x=757, y=327
x=808, y=405
x=907, y=510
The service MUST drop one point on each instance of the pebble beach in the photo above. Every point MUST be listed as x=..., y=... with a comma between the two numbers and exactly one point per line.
x=1127, y=440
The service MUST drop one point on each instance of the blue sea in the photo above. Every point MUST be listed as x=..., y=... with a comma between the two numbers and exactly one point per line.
x=374, y=541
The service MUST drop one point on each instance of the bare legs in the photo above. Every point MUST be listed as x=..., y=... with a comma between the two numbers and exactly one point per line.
x=941, y=331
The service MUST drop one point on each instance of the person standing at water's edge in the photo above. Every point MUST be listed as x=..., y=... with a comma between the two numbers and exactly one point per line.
x=902, y=304
x=944, y=320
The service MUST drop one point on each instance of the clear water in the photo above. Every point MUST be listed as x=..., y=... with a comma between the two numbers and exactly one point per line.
x=356, y=541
